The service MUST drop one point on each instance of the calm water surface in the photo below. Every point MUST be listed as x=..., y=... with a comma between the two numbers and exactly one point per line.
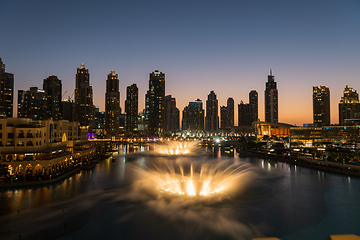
x=282, y=200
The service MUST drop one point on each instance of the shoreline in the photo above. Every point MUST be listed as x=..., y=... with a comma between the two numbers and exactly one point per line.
x=53, y=180
x=334, y=167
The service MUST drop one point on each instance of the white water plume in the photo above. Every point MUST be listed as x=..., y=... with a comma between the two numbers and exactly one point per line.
x=196, y=195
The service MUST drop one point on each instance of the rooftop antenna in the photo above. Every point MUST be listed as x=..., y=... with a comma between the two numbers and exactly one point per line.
x=270, y=72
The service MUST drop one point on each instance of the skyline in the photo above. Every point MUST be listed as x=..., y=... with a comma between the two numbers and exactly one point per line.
x=200, y=48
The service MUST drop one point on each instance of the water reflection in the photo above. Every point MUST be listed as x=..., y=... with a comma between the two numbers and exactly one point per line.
x=277, y=199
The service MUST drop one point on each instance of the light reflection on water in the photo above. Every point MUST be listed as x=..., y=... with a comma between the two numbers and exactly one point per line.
x=290, y=201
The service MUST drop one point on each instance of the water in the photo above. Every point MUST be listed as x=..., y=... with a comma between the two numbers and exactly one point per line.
x=117, y=200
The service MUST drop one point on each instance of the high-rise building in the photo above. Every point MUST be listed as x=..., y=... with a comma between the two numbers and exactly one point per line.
x=112, y=105
x=6, y=91
x=349, y=106
x=321, y=106
x=21, y=95
x=185, y=125
x=131, y=108
x=53, y=88
x=253, y=101
x=223, y=118
x=35, y=104
x=193, y=116
x=271, y=100
x=212, y=116
x=230, y=113
x=84, y=109
x=67, y=107
x=172, y=115
x=248, y=112
x=156, y=96
x=244, y=114
x=99, y=118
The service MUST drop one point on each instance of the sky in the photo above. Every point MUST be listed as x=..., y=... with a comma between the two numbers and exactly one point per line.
x=225, y=46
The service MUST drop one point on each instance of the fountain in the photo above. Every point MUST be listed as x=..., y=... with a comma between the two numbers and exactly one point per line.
x=171, y=148
x=191, y=190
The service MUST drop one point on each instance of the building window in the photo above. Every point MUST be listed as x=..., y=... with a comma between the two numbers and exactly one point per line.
x=10, y=135
x=29, y=143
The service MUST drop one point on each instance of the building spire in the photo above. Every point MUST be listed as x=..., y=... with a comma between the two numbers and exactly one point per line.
x=270, y=72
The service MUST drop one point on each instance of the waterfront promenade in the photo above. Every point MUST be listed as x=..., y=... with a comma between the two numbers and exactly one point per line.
x=336, y=167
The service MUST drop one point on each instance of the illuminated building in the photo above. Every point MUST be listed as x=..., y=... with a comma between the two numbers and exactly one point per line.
x=42, y=147
x=84, y=108
x=321, y=106
x=271, y=100
x=212, y=116
x=193, y=116
x=21, y=95
x=156, y=97
x=230, y=113
x=131, y=108
x=6, y=91
x=112, y=105
x=35, y=105
x=279, y=130
x=68, y=106
x=349, y=106
x=244, y=114
x=253, y=101
x=53, y=88
x=172, y=115
x=248, y=112
x=223, y=117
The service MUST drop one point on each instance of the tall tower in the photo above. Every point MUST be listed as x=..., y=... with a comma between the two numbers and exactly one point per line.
x=212, y=116
x=131, y=108
x=321, y=106
x=112, y=105
x=172, y=115
x=35, y=104
x=230, y=113
x=20, y=109
x=253, y=101
x=223, y=118
x=84, y=108
x=6, y=91
x=53, y=88
x=156, y=96
x=271, y=100
x=349, y=106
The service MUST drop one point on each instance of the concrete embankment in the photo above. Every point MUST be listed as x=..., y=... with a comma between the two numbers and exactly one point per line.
x=347, y=169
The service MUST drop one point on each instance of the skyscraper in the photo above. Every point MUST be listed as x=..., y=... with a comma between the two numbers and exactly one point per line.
x=349, y=106
x=223, y=117
x=230, y=113
x=244, y=114
x=6, y=91
x=84, y=108
x=53, y=88
x=156, y=96
x=193, y=116
x=253, y=101
x=21, y=95
x=131, y=108
x=271, y=100
x=35, y=104
x=212, y=116
x=172, y=115
x=248, y=112
x=321, y=106
x=112, y=105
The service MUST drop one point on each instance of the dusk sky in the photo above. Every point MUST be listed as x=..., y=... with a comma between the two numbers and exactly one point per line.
x=225, y=46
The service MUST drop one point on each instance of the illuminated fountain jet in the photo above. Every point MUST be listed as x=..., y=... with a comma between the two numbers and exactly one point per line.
x=175, y=148
x=198, y=179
